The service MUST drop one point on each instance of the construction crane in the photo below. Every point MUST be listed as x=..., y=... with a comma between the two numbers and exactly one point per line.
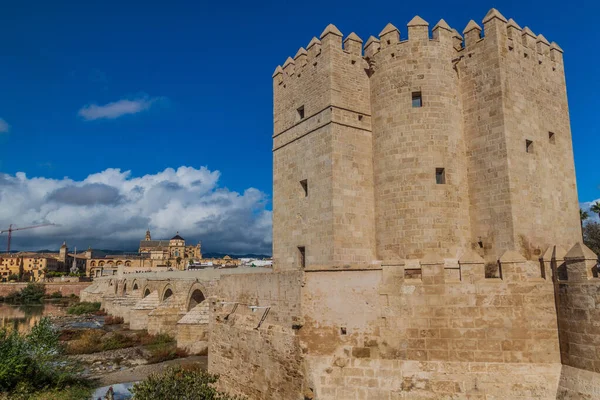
x=10, y=230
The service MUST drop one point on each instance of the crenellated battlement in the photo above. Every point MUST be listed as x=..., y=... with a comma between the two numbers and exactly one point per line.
x=390, y=39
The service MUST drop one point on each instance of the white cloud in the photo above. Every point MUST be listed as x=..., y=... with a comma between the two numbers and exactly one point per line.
x=112, y=210
x=586, y=207
x=4, y=127
x=117, y=109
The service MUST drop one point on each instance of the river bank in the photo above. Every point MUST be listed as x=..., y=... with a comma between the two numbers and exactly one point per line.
x=110, y=353
x=103, y=349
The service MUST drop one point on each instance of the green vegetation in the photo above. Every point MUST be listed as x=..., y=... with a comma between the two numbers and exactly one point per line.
x=182, y=384
x=55, y=274
x=83, y=308
x=87, y=341
x=56, y=295
x=13, y=277
x=591, y=236
x=35, y=362
x=32, y=293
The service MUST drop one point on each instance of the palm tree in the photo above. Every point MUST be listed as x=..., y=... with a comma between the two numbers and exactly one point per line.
x=595, y=208
x=583, y=215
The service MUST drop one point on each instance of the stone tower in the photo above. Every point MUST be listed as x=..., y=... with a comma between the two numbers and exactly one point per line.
x=422, y=147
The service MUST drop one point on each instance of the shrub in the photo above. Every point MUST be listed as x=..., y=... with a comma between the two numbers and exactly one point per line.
x=90, y=341
x=56, y=295
x=162, y=352
x=118, y=341
x=146, y=339
x=111, y=320
x=83, y=308
x=180, y=383
x=13, y=277
x=55, y=274
x=32, y=293
x=33, y=361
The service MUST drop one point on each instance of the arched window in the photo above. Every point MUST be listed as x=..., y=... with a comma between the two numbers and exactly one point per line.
x=168, y=293
x=146, y=292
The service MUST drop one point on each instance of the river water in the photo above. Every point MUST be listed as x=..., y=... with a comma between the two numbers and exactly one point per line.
x=23, y=317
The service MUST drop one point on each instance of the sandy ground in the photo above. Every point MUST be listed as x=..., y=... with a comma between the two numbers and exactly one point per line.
x=140, y=372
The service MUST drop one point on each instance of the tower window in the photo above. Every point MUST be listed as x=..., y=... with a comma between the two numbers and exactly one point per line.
x=300, y=112
x=440, y=176
x=304, y=184
x=529, y=146
x=551, y=137
x=417, y=100
x=302, y=256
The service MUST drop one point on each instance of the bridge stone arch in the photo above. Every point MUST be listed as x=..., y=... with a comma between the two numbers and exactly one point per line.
x=135, y=285
x=124, y=290
x=196, y=295
x=147, y=291
x=167, y=292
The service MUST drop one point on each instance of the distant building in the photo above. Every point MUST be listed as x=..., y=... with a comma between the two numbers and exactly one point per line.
x=30, y=266
x=155, y=255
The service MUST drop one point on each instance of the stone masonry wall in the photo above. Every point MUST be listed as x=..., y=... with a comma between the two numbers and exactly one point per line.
x=67, y=289
x=360, y=316
x=415, y=215
x=256, y=351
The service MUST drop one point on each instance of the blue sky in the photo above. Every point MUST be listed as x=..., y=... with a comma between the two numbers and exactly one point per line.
x=193, y=82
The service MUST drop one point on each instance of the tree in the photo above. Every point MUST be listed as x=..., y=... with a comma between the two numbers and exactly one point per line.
x=178, y=259
x=591, y=236
x=595, y=208
x=180, y=383
x=583, y=215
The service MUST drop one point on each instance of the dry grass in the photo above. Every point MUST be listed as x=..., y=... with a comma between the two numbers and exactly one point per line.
x=110, y=320
x=90, y=341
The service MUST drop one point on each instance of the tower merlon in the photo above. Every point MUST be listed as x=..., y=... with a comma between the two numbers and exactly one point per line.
x=353, y=44
x=301, y=57
x=442, y=30
x=331, y=37
x=493, y=13
x=513, y=29
x=543, y=46
x=457, y=39
x=528, y=38
x=288, y=66
x=494, y=23
x=418, y=28
x=556, y=53
x=278, y=74
x=372, y=46
x=314, y=48
x=388, y=36
x=472, y=33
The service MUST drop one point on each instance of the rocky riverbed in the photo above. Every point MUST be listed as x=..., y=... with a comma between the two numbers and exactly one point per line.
x=110, y=353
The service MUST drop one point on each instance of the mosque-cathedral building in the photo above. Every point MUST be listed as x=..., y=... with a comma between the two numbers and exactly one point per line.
x=154, y=255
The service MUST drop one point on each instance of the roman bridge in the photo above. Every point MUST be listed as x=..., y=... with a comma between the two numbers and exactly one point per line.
x=176, y=303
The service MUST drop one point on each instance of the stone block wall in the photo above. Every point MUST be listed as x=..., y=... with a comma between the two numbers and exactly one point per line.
x=260, y=362
x=381, y=379
x=578, y=384
x=431, y=317
x=193, y=338
x=280, y=291
x=67, y=289
x=578, y=302
x=256, y=350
